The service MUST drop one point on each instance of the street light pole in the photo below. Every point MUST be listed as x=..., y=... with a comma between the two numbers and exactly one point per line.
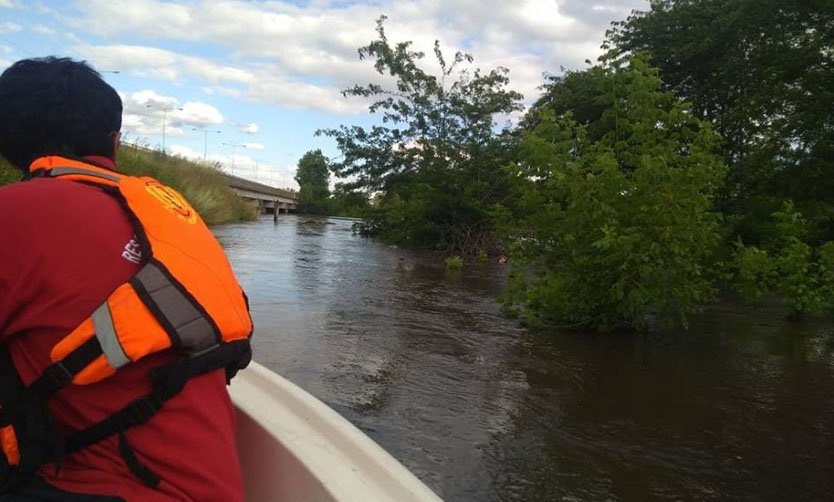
x=205, y=139
x=165, y=111
x=234, y=146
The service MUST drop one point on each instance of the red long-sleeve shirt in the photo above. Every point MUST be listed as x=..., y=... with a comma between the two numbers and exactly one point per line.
x=64, y=247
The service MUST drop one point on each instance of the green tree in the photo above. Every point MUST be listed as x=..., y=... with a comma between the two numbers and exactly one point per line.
x=802, y=275
x=762, y=72
x=349, y=202
x=615, y=220
x=313, y=178
x=435, y=158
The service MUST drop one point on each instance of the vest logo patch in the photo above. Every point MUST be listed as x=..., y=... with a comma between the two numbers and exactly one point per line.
x=172, y=201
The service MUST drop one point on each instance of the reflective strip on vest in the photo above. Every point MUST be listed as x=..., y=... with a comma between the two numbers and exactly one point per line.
x=107, y=338
x=59, y=171
x=194, y=332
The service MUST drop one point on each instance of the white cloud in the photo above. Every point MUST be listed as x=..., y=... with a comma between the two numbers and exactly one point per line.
x=198, y=114
x=145, y=112
x=9, y=27
x=184, y=151
x=160, y=63
x=254, y=146
x=44, y=30
x=150, y=99
x=8, y=4
x=298, y=95
x=251, y=128
x=303, y=56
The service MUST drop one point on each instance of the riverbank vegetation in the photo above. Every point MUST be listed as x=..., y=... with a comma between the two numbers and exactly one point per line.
x=684, y=162
x=613, y=216
x=315, y=197
x=203, y=186
x=8, y=174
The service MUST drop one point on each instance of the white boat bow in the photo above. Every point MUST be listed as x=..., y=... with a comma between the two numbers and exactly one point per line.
x=293, y=447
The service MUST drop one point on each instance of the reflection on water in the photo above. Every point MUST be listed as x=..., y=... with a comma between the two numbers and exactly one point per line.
x=740, y=407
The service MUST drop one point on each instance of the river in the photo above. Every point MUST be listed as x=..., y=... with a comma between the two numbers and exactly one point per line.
x=739, y=407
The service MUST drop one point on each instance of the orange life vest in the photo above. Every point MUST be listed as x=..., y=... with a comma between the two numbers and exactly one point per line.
x=185, y=297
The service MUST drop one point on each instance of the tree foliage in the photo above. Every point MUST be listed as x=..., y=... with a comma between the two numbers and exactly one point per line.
x=432, y=157
x=699, y=150
x=614, y=220
x=761, y=72
x=784, y=264
x=349, y=202
x=313, y=178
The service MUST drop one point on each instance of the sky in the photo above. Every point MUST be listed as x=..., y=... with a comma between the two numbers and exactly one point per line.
x=247, y=83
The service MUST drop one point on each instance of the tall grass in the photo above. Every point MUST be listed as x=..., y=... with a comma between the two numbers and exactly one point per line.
x=203, y=186
x=8, y=174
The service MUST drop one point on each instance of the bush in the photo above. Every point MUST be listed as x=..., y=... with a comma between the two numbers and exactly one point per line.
x=454, y=263
x=614, y=228
x=785, y=265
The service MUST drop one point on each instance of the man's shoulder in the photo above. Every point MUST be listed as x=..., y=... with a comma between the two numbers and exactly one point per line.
x=39, y=186
x=13, y=191
x=57, y=208
x=29, y=198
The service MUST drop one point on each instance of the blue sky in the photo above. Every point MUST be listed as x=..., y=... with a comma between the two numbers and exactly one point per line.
x=268, y=74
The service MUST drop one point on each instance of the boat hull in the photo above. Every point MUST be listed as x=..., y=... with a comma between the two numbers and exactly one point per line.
x=294, y=447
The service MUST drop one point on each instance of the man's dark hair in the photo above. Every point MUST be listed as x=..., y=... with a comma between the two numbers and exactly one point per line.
x=54, y=106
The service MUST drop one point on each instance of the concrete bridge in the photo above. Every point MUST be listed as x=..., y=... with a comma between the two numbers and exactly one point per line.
x=267, y=199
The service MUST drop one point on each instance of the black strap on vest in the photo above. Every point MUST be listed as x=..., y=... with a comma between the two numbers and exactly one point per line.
x=60, y=374
x=167, y=381
x=37, y=435
x=39, y=439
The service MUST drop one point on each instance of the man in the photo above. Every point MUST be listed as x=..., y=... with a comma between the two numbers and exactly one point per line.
x=69, y=242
